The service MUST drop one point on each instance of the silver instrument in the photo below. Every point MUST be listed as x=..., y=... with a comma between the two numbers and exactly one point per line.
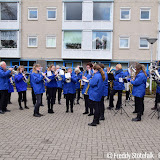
x=47, y=79
x=68, y=77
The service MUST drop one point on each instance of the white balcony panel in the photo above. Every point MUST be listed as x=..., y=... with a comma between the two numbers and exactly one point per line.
x=9, y=53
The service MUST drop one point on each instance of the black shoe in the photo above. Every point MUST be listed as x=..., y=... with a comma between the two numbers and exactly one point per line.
x=1, y=112
x=101, y=118
x=90, y=114
x=134, y=112
x=109, y=108
x=49, y=110
x=36, y=115
x=40, y=114
x=117, y=108
x=154, y=108
x=52, y=111
x=42, y=105
x=20, y=108
x=98, y=123
x=85, y=113
x=136, y=119
x=66, y=111
x=7, y=110
x=26, y=107
x=71, y=111
x=92, y=124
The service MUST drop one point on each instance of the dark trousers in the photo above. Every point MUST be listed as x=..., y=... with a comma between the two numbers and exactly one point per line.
x=157, y=100
x=22, y=95
x=139, y=106
x=59, y=93
x=119, y=102
x=38, y=103
x=33, y=97
x=109, y=90
x=69, y=99
x=96, y=107
x=127, y=95
x=3, y=100
x=102, y=107
x=88, y=104
x=9, y=97
x=51, y=97
x=78, y=91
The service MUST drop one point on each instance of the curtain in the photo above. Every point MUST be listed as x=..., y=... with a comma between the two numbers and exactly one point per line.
x=72, y=37
x=51, y=42
x=9, y=35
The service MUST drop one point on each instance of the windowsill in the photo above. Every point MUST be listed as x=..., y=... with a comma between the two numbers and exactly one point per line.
x=50, y=47
x=51, y=19
x=145, y=20
x=143, y=48
x=32, y=47
x=32, y=19
x=101, y=21
x=8, y=20
x=72, y=49
x=100, y=50
x=124, y=48
x=125, y=19
x=8, y=49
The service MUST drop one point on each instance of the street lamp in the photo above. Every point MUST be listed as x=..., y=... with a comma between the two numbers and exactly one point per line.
x=151, y=41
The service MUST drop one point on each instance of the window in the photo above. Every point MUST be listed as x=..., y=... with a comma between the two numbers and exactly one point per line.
x=124, y=42
x=101, y=11
x=101, y=40
x=144, y=43
x=145, y=14
x=125, y=14
x=50, y=41
x=73, y=11
x=72, y=40
x=32, y=41
x=32, y=14
x=8, y=39
x=51, y=13
x=8, y=11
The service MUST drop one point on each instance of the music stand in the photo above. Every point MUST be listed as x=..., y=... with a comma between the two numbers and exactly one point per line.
x=122, y=110
x=154, y=112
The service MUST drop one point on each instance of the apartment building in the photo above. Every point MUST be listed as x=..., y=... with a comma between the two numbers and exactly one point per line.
x=10, y=29
x=134, y=21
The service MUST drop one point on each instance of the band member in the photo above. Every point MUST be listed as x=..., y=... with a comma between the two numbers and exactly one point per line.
x=21, y=87
x=96, y=92
x=59, y=84
x=109, y=87
x=127, y=84
x=32, y=91
x=38, y=87
x=118, y=87
x=4, y=86
x=105, y=93
x=87, y=76
x=10, y=90
x=139, y=88
x=69, y=89
x=79, y=77
x=51, y=87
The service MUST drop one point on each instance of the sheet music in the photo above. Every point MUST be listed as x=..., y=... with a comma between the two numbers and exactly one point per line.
x=49, y=73
x=67, y=75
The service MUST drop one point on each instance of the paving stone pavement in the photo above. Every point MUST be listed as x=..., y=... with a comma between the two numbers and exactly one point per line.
x=67, y=136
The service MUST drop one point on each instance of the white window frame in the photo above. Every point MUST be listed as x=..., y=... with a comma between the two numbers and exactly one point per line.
x=55, y=41
x=32, y=8
x=53, y=9
x=127, y=9
x=36, y=42
x=124, y=37
x=140, y=43
x=145, y=9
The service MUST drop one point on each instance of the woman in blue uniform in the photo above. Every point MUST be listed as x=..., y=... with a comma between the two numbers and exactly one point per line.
x=105, y=93
x=10, y=90
x=118, y=87
x=139, y=88
x=51, y=88
x=21, y=86
x=38, y=87
x=87, y=76
x=69, y=89
x=96, y=91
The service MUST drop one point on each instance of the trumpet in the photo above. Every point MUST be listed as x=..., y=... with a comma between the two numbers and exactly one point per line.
x=47, y=79
x=25, y=78
x=68, y=77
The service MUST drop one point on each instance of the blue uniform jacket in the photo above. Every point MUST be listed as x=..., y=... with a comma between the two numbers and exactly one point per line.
x=118, y=85
x=19, y=82
x=70, y=87
x=79, y=77
x=96, y=89
x=53, y=82
x=88, y=76
x=38, y=83
x=139, y=85
x=11, y=89
x=4, y=76
x=59, y=83
x=106, y=85
x=31, y=77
